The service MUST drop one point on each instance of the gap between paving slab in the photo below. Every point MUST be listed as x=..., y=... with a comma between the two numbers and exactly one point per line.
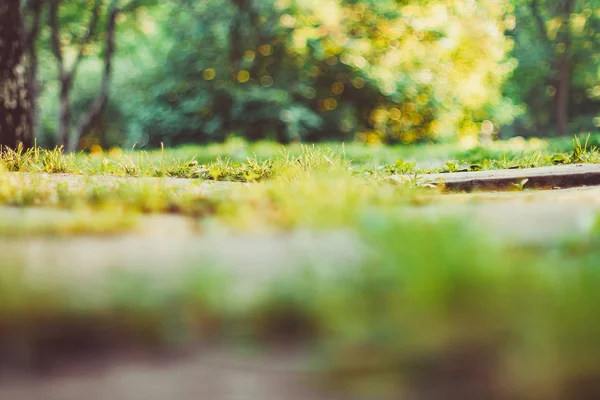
x=554, y=177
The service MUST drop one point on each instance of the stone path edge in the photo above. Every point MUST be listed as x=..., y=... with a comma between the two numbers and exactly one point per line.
x=553, y=177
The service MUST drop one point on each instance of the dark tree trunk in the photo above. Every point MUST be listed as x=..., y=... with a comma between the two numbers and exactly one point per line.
x=65, y=113
x=563, y=71
x=34, y=11
x=562, y=97
x=561, y=78
x=63, y=129
x=15, y=101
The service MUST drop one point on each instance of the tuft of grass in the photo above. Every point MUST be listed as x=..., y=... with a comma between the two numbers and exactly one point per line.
x=135, y=196
x=250, y=171
x=14, y=160
x=38, y=160
x=56, y=161
x=320, y=199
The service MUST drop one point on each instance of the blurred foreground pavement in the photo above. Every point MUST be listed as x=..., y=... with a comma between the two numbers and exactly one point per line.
x=167, y=246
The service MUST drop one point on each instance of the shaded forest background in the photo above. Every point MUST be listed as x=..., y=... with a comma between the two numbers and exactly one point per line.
x=124, y=72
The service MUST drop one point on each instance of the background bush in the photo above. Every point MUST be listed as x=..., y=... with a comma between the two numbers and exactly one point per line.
x=386, y=70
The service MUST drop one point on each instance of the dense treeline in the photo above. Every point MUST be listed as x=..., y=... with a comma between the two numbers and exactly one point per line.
x=118, y=72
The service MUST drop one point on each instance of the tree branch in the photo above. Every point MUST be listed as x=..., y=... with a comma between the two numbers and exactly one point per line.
x=91, y=31
x=97, y=107
x=539, y=19
x=131, y=6
x=35, y=6
x=55, y=35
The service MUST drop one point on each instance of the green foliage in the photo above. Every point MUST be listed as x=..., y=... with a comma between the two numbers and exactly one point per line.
x=541, y=35
x=295, y=70
x=402, y=167
x=400, y=72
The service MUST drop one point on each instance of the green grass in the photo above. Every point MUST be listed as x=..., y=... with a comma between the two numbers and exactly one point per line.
x=237, y=160
x=317, y=189
x=312, y=186
x=149, y=197
x=427, y=298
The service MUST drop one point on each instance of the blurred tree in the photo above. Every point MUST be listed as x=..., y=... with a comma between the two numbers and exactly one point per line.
x=385, y=70
x=59, y=40
x=302, y=69
x=15, y=103
x=76, y=30
x=436, y=67
x=557, y=45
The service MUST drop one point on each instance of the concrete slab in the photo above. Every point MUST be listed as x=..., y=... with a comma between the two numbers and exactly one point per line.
x=250, y=262
x=554, y=177
x=79, y=182
x=542, y=217
x=163, y=245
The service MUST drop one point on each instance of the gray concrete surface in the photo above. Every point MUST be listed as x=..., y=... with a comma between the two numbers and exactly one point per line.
x=563, y=176
x=215, y=374
x=78, y=182
x=523, y=217
x=163, y=245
